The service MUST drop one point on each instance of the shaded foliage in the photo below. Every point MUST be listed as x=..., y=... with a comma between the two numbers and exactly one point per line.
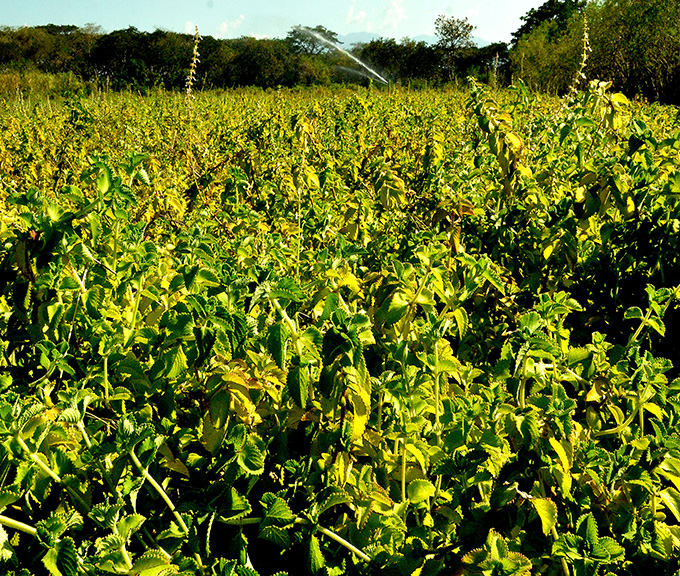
x=632, y=43
x=557, y=11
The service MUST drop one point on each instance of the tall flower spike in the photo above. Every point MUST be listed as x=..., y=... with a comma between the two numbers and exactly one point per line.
x=573, y=89
x=192, y=67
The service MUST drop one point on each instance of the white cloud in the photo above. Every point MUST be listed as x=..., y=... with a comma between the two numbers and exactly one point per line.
x=471, y=13
x=355, y=17
x=229, y=25
x=189, y=27
x=394, y=13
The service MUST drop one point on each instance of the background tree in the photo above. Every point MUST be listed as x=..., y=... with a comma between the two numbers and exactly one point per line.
x=122, y=58
x=454, y=37
x=420, y=60
x=403, y=60
x=301, y=41
x=168, y=58
x=489, y=63
x=636, y=45
x=547, y=58
x=266, y=63
x=559, y=12
x=215, y=62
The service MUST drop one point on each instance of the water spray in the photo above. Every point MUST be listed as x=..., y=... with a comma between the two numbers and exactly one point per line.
x=341, y=50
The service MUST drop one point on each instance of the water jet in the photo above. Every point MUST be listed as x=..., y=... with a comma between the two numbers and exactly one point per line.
x=318, y=36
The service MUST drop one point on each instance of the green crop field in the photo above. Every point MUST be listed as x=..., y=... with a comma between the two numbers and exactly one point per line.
x=339, y=331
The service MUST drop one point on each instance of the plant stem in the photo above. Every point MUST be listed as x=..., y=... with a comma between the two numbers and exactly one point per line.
x=325, y=531
x=344, y=543
x=403, y=470
x=106, y=380
x=86, y=438
x=523, y=384
x=410, y=312
x=292, y=326
x=78, y=279
x=116, y=234
x=51, y=473
x=44, y=467
x=437, y=378
x=565, y=566
x=641, y=414
x=643, y=323
x=138, y=298
x=641, y=401
x=162, y=493
x=287, y=319
x=16, y=525
x=126, y=557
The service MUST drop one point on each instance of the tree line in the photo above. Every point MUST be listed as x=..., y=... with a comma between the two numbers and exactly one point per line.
x=635, y=44
x=135, y=59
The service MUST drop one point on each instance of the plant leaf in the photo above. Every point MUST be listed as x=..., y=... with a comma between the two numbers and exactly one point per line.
x=420, y=490
x=547, y=512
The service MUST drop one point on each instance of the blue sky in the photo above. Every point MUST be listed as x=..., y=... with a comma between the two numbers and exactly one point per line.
x=495, y=19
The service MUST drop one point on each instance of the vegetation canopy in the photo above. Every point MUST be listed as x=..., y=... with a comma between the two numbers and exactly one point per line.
x=349, y=331
x=632, y=44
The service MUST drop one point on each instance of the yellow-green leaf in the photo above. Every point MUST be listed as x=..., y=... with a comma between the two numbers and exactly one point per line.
x=547, y=512
x=419, y=490
x=561, y=454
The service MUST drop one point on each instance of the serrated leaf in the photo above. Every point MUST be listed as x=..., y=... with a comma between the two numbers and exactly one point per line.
x=497, y=546
x=7, y=497
x=531, y=321
x=207, y=277
x=568, y=546
x=276, y=342
x=7, y=553
x=658, y=325
x=586, y=528
x=599, y=553
x=148, y=562
x=615, y=551
x=333, y=496
x=561, y=454
x=287, y=289
x=175, y=362
x=70, y=415
x=361, y=410
x=129, y=525
x=277, y=535
x=446, y=466
x=316, y=559
x=27, y=414
x=392, y=310
x=277, y=511
x=420, y=490
x=67, y=557
x=251, y=456
x=5, y=382
x=298, y=385
x=547, y=512
x=419, y=456
x=474, y=557
x=671, y=498
x=633, y=313
x=62, y=558
x=462, y=321
x=577, y=355
x=110, y=543
x=93, y=300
